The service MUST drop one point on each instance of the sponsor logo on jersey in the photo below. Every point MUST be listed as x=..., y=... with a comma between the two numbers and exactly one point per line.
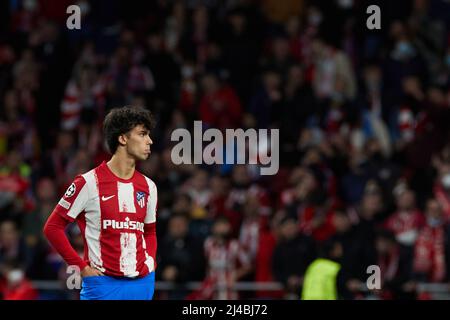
x=127, y=224
x=65, y=204
x=107, y=198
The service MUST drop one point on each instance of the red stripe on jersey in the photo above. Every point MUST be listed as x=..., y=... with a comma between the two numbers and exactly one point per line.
x=81, y=222
x=109, y=245
x=122, y=220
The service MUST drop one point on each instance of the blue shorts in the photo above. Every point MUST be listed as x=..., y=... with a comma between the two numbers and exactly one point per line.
x=110, y=288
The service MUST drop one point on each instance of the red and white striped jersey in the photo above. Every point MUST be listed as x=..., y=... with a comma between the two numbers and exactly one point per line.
x=111, y=213
x=224, y=258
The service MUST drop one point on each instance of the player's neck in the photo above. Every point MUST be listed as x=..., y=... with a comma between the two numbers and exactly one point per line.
x=122, y=166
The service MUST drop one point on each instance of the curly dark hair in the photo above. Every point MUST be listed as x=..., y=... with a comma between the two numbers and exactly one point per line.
x=120, y=121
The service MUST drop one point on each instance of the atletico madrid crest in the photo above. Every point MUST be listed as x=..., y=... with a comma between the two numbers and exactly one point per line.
x=140, y=198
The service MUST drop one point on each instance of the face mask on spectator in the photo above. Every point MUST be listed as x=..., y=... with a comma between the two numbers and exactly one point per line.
x=223, y=235
x=187, y=72
x=404, y=49
x=433, y=222
x=446, y=181
x=315, y=19
x=373, y=85
x=29, y=5
x=346, y=4
x=15, y=276
x=85, y=7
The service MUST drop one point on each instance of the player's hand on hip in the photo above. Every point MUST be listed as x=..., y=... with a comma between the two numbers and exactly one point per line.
x=89, y=272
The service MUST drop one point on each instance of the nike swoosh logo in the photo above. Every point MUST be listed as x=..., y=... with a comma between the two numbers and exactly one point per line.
x=107, y=198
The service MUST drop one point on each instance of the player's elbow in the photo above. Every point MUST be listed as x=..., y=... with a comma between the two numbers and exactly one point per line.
x=47, y=229
x=50, y=226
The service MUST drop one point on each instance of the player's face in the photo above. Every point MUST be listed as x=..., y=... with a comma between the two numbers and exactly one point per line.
x=139, y=142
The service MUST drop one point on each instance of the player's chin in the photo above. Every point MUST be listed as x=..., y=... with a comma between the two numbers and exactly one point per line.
x=145, y=156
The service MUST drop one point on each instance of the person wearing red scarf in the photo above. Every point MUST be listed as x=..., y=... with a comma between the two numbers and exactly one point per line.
x=429, y=253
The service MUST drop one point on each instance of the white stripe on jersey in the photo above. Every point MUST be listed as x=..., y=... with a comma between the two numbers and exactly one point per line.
x=93, y=222
x=148, y=259
x=152, y=201
x=125, y=193
x=128, y=250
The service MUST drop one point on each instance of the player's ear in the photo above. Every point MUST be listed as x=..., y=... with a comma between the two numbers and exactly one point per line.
x=123, y=139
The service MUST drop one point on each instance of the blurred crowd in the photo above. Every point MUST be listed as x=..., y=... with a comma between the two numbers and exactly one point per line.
x=364, y=137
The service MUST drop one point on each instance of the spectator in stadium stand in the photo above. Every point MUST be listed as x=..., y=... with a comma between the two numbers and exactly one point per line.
x=15, y=285
x=34, y=221
x=220, y=187
x=300, y=105
x=336, y=83
x=165, y=72
x=84, y=98
x=267, y=101
x=219, y=107
x=199, y=226
x=292, y=243
x=241, y=182
x=279, y=57
x=406, y=222
x=12, y=246
x=14, y=183
x=180, y=256
x=401, y=61
x=310, y=207
x=431, y=132
x=344, y=233
x=127, y=76
x=240, y=42
x=431, y=256
x=365, y=216
x=395, y=268
x=441, y=188
x=194, y=41
x=267, y=242
x=189, y=89
x=354, y=178
x=373, y=110
x=41, y=267
x=174, y=27
x=56, y=161
x=256, y=212
x=197, y=187
x=227, y=262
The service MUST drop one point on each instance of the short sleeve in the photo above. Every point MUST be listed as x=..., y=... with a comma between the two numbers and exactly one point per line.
x=75, y=199
x=152, y=204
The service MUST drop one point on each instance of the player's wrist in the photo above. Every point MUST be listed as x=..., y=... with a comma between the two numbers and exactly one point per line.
x=83, y=265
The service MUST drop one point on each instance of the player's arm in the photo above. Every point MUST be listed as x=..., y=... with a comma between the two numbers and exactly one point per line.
x=150, y=223
x=68, y=208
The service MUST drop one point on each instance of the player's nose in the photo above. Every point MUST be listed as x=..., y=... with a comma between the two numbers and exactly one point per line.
x=150, y=141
